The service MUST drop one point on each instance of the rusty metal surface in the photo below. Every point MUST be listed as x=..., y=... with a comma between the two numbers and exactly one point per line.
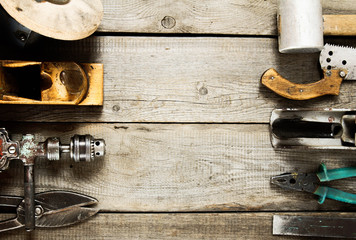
x=81, y=148
x=314, y=226
x=51, y=209
x=307, y=182
x=29, y=200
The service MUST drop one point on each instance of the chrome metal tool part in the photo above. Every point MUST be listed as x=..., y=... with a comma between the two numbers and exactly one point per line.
x=81, y=148
x=313, y=128
x=314, y=226
x=52, y=209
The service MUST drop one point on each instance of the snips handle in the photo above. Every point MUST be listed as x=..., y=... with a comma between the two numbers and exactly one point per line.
x=10, y=204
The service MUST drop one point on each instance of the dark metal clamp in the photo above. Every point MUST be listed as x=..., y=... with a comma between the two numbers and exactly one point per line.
x=81, y=148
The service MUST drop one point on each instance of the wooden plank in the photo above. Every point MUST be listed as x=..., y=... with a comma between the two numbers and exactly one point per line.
x=256, y=226
x=240, y=17
x=226, y=16
x=179, y=167
x=157, y=79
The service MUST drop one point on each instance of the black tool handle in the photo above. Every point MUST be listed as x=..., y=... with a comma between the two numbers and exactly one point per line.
x=29, y=198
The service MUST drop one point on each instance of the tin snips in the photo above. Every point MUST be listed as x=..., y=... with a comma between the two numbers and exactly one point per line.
x=52, y=209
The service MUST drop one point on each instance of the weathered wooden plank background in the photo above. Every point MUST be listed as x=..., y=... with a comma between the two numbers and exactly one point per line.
x=169, y=226
x=185, y=120
x=253, y=17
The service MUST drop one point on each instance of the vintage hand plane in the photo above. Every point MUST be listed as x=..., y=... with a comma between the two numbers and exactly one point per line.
x=82, y=148
x=338, y=63
x=313, y=128
x=46, y=83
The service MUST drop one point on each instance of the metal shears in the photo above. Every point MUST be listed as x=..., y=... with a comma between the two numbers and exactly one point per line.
x=309, y=182
x=52, y=209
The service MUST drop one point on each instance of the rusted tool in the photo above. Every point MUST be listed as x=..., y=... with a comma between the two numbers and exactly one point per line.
x=314, y=226
x=51, y=83
x=337, y=62
x=301, y=25
x=82, y=148
x=52, y=209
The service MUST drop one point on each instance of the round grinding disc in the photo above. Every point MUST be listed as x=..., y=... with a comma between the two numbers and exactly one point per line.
x=59, y=19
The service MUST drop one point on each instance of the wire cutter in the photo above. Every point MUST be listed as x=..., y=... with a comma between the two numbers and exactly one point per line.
x=52, y=209
x=309, y=182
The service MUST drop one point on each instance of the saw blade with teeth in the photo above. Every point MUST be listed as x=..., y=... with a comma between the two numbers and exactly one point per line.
x=339, y=57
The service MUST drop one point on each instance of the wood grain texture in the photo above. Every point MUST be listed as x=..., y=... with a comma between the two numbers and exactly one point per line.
x=179, y=167
x=256, y=17
x=226, y=16
x=181, y=179
x=92, y=91
x=161, y=79
x=256, y=226
x=329, y=85
x=340, y=25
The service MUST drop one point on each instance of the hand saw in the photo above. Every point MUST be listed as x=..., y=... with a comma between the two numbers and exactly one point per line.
x=337, y=62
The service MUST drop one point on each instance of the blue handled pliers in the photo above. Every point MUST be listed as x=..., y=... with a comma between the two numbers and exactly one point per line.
x=309, y=182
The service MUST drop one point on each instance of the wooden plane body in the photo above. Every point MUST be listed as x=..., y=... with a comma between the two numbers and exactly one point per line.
x=51, y=83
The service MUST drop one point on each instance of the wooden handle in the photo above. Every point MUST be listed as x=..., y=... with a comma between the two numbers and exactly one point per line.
x=340, y=25
x=329, y=85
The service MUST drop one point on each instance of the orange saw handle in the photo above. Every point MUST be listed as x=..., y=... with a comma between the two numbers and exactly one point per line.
x=329, y=85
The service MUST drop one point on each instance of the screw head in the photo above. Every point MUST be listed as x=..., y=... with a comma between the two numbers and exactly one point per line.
x=342, y=74
x=328, y=73
x=12, y=149
x=38, y=210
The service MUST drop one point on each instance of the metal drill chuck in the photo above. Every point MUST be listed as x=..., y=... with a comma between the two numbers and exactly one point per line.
x=84, y=148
